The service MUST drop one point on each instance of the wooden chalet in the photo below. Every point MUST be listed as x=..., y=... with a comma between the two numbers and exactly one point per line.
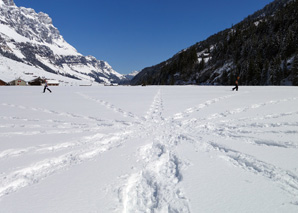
x=2, y=83
x=53, y=83
x=18, y=82
x=36, y=82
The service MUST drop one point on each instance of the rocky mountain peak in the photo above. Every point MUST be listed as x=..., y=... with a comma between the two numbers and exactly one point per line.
x=31, y=38
x=8, y=2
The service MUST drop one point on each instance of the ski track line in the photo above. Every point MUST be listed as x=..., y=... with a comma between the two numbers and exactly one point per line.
x=223, y=133
x=64, y=124
x=60, y=128
x=63, y=127
x=143, y=193
x=15, y=118
x=155, y=188
x=191, y=110
x=262, y=142
x=269, y=116
x=50, y=148
x=40, y=170
x=150, y=179
x=110, y=106
x=285, y=179
x=41, y=149
x=65, y=114
x=257, y=125
x=251, y=122
x=156, y=108
x=226, y=131
x=246, y=120
x=97, y=144
x=245, y=109
x=42, y=132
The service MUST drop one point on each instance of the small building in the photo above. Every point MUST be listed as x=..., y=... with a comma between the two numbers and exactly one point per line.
x=18, y=82
x=2, y=83
x=53, y=83
x=111, y=84
x=36, y=82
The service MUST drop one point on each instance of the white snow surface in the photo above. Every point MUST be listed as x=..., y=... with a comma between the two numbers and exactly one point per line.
x=148, y=149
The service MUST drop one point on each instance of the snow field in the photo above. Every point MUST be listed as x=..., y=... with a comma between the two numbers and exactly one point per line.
x=149, y=149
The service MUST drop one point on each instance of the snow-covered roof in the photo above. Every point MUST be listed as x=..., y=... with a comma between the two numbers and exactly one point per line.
x=51, y=81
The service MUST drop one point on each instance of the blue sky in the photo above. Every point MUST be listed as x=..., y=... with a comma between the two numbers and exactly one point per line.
x=134, y=34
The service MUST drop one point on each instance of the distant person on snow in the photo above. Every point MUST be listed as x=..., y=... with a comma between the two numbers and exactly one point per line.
x=236, y=84
x=46, y=86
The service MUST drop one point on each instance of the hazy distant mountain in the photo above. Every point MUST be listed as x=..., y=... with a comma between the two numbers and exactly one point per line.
x=131, y=75
x=29, y=39
x=262, y=50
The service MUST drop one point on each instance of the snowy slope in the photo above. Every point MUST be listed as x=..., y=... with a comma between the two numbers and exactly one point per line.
x=30, y=38
x=10, y=70
x=149, y=149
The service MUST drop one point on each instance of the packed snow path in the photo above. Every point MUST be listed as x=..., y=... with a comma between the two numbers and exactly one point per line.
x=183, y=149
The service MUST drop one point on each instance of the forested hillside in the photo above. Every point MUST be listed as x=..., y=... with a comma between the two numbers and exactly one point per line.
x=262, y=50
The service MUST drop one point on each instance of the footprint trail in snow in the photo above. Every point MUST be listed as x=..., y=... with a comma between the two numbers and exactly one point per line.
x=156, y=183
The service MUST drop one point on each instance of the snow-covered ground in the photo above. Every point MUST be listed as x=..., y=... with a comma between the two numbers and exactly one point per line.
x=149, y=149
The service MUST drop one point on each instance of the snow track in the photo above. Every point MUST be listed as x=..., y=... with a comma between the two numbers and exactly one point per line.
x=242, y=135
x=156, y=187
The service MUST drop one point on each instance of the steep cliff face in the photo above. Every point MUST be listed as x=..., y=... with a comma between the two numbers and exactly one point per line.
x=29, y=37
x=8, y=2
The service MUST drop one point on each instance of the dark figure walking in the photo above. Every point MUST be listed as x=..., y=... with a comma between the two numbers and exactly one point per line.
x=46, y=87
x=236, y=84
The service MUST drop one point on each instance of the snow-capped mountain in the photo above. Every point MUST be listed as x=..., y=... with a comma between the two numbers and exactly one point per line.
x=29, y=40
x=131, y=75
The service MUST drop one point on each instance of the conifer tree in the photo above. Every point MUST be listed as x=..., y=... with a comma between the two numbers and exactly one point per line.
x=294, y=70
x=232, y=78
x=224, y=78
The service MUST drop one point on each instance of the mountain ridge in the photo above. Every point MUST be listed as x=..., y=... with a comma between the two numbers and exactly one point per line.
x=254, y=48
x=8, y=2
x=31, y=38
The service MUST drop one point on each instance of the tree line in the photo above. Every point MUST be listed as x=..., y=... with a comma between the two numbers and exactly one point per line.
x=262, y=50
